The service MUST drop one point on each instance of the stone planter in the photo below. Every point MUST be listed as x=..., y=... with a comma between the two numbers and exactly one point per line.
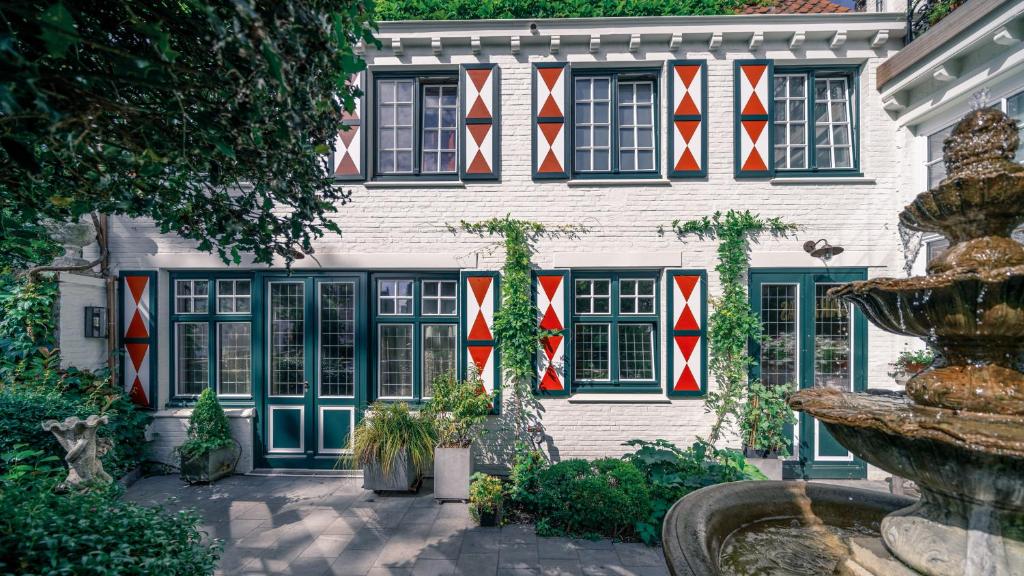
x=770, y=467
x=210, y=466
x=402, y=476
x=489, y=518
x=452, y=469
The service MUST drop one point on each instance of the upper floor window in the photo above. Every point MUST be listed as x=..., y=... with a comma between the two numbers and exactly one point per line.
x=417, y=125
x=615, y=122
x=814, y=125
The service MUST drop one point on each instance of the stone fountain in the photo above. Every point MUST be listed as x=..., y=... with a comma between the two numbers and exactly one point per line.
x=958, y=432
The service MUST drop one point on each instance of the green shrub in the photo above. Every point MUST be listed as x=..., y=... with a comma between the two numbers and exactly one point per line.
x=524, y=479
x=90, y=533
x=765, y=417
x=672, y=473
x=208, y=428
x=458, y=409
x=485, y=495
x=605, y=497
x=530, y=9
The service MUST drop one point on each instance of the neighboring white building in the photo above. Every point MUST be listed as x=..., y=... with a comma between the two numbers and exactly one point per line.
x=620, y=125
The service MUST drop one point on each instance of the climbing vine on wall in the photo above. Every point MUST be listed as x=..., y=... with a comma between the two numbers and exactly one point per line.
x=732, y=322
x=515, y=322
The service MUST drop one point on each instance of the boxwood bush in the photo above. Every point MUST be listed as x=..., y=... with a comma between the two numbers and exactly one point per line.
x=605, y=497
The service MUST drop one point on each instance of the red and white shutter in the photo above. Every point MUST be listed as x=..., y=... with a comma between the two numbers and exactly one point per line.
x=753, y=118
x=480, y=296
x=138, y=336
x=687, y=103
x=348, y=163
x=687, y=334
x=551, y=293
x=481, y=98
x=550, y=143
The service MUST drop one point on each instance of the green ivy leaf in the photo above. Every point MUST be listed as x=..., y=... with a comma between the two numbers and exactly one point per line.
x=58, y=30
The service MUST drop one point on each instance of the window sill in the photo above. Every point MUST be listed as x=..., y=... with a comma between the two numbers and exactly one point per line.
x=582, y=182
x=824, y=179
x=619, y=398
x=185, y=412
x=380, y=184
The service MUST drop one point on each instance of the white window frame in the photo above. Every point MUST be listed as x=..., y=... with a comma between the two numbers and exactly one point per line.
x=191, y=298
x=575, y=365
x=234, y=296
x=412, y=367
x=592, y=296
x=439, y=128
x=220, y=371
x=396, y=297
x=635, y=126
x=177, y=358
x=438, y=298
x=847, y=101
x=618, y=337
x=320, y=338
x=637, y=296
x=786, y=146
x=423, y=354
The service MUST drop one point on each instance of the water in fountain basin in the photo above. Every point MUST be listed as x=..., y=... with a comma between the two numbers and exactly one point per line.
x=789, y=547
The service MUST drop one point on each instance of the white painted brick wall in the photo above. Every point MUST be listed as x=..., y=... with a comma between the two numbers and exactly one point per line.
x=621, y=218
x=76, y=292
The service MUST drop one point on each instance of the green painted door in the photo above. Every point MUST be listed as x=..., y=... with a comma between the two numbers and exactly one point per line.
x=314, y=371
x=810, y=339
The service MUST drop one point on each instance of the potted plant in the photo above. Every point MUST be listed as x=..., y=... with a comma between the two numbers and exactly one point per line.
x=458, y=409
x=393, y=445
x=909, y=363
x=763, y=426
x=485, y=499
x=210, y=453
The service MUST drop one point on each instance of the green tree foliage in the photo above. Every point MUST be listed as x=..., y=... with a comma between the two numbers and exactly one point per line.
x=732, y=323
x=458, y=409
x=209, y=116
x=476, y=9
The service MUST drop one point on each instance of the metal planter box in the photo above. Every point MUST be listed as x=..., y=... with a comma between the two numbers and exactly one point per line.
x=402, y=477
x=452, y=469
x=210, y=466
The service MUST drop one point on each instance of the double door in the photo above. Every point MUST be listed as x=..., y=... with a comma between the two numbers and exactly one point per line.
x=810, y=339
x=314, y=375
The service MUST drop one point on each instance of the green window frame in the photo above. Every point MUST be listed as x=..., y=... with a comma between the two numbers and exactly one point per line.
x=614, y=313
x=415, y=326
x=224, y=344
x=424, y=151
x=793, y=131
x=624, y=133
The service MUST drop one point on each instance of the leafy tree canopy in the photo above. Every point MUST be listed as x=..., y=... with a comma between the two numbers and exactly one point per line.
x=210, y=117
x=486, y=9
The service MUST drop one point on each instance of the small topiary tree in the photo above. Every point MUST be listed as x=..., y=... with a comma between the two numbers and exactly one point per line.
x=208, y=428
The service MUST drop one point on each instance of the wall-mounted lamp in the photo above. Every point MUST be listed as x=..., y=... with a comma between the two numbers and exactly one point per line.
x=95, y=322
x=822, y=249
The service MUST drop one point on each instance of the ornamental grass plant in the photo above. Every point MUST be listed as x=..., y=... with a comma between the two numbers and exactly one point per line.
x=390, y=429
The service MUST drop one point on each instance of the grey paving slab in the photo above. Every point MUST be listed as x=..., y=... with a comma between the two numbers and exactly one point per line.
x=330, y=526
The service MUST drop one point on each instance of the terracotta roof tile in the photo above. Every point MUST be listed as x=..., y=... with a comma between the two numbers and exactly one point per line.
x=795, y=7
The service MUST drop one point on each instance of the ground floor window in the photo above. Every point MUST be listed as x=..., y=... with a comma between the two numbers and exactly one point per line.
x=615, y=329
x=212, y=332
x=416, y=333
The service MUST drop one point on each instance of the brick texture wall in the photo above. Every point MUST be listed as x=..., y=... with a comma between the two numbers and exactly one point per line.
x=622, y=219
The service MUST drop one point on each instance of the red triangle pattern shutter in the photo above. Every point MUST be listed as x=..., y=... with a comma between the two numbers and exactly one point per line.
x=687, y=334
x=753, y=107
x=138, y=336
x=551, y=295
x=687, y=105
x=348, y=163
x=550, y=143
x=480, y=103
x=480, y=300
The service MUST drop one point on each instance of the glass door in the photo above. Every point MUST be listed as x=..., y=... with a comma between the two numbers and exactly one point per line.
x=314, y=369
x=810, y=339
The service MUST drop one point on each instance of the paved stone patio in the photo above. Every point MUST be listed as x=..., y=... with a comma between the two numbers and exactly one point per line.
x=314, y=525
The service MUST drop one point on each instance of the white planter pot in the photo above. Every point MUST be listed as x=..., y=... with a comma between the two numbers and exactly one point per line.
x=452, y=469
x=770, y=467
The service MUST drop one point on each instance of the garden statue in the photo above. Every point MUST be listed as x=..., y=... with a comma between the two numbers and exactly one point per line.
x=73, y=237
x=84, y=449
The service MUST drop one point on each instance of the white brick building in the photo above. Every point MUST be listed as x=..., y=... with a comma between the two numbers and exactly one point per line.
x=839, y=163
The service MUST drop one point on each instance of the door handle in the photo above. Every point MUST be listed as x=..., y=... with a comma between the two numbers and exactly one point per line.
x=305, y=388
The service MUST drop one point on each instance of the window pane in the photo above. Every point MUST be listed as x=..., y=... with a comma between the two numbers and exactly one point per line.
x=439, y=120
x=337, y=339
x=1015, y=110
x=592, y=351
x=395, y=360
x=193, y=355
x=789, y=124
x=778, y=330
x=439, y=349
x=234, y=359
x=225, y=305
x=201, y=288
x=591, y=130
x=636, y=351
x=602, y=287
x=831, y=340
x=287, y=339
x=832, y=128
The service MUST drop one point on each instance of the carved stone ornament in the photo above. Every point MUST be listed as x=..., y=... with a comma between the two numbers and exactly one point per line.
x=84, y=448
